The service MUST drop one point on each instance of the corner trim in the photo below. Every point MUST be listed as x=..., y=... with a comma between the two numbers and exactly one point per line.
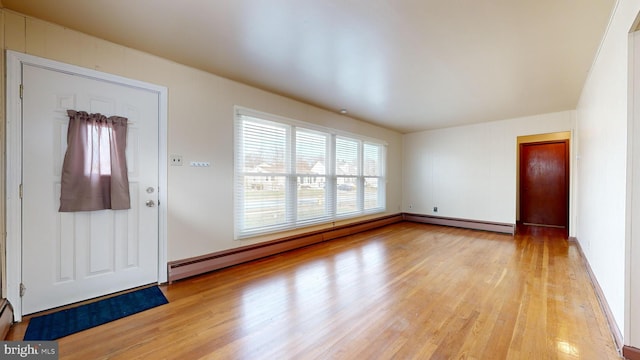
x=602, y=300
x=631, y=353
x=181, y=269
x=461, y=223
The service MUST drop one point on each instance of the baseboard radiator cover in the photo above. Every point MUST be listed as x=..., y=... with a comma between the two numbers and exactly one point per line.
x=461, y=223
x=181, y=269
x=6, y=318
x=604, y=305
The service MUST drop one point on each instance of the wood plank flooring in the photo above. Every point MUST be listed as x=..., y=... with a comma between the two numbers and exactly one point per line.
x=404, y=291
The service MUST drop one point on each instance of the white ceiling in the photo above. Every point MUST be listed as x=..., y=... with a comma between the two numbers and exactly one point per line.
x=407, y=65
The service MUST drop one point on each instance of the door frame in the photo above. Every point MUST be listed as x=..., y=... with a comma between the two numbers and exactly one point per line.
x=13, y=141
x=542, y=138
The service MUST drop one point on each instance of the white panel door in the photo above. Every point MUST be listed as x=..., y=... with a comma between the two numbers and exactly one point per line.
x=69, y=257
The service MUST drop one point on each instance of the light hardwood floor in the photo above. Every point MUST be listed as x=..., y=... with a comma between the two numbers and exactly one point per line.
x=405, y=291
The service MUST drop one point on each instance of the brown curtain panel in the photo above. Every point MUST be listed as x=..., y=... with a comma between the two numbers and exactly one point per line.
x=94, y=173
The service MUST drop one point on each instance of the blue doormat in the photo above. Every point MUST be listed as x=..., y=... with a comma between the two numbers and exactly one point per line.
x=66, y=322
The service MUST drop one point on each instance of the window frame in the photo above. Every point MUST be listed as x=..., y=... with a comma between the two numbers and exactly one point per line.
x=293, y=175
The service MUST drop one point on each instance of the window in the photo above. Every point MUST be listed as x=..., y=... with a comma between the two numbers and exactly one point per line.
x=290, y=174
x=94, y=170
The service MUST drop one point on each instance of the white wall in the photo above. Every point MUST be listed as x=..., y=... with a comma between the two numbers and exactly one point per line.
x=200, y=128
x=470, y=172
x=602, y=135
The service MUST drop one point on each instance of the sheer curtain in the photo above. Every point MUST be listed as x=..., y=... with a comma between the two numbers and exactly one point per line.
x=94, y=173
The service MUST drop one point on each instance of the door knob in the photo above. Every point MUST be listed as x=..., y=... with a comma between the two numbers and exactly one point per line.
x=150, y=203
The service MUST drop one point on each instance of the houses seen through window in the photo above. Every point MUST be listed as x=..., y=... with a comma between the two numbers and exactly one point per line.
x=290, y=174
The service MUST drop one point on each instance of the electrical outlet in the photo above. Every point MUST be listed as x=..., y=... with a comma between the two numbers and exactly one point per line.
x=435, y=209
x=175, y=160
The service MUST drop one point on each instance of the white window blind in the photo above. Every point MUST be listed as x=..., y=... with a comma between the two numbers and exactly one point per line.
x=347, y=179
x=373, y=162
x=290, y=174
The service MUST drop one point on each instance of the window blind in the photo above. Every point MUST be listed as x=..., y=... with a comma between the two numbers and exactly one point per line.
x=290, y=174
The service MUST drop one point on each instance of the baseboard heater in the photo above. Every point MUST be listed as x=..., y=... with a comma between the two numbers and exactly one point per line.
x=181, y=269
x=461, y=223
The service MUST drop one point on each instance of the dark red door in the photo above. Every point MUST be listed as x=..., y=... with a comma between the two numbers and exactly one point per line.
x=544, y=183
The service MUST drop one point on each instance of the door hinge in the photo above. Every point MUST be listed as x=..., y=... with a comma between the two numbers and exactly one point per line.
x=20, y=191
x=23, y=289
x=21, y=90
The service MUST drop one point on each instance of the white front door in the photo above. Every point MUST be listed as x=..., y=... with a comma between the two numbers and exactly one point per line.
x=69, y=257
